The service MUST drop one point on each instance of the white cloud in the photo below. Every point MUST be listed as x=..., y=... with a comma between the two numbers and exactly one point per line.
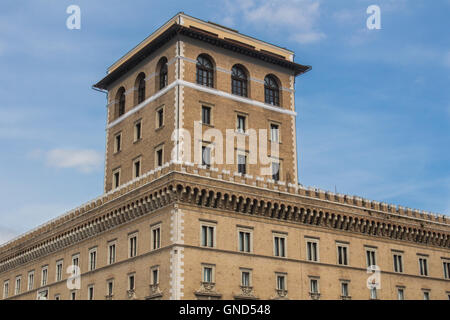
x=84, y=160
x=298, y=18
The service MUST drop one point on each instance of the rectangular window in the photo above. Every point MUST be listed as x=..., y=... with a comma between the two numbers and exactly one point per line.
x=92, y=259
x=59, y=270
x=44, y=276
x=446, y=265
x=312, y=250
x=159, y=157
x=109, y=288
x=314, y=285
x=279, y=243
x=400, y=293
x=344, y=289
x=76, y=264
x=281, y=282
x=137, y=168
x=42, y=294
x=244, y=240
x=206, y=156
x=112, y=253
x=274, y=132
x=160, y=117
x=245, y=278
x=132, y=246
x=116, y=178
x=31, y=280
x=137, y=131
x=131, y=282
x=207, y=236
x=342, y=254
x=398, y=262
x=426, y=295
x=423, y=266
x=240, y=125
x=6, y=289
x=117, y=142
x=156, y=237
x=276, y=171
x=206, y=115
x=91, y=292
x=208, y=274
x=57, y=297
x=373, y=293
x=18, y=285
x=371, y=257
x=73, y=295
x=155, y=275
x=242, y=164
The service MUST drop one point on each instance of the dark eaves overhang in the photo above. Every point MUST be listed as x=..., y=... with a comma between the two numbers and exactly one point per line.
x=204, y=36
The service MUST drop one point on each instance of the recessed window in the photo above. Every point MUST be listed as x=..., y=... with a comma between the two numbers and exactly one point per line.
x=208, y=274
x=446, y=265
x=345, y=293
x=342, y=254
x=159, y=117
x=156, y=237
x=109, y=289
x=140, y=84
x=246, y=278
x=136, y=168
x=240, y=123
x=271, y=91
x=42, y=294
x=275, y=171
x=111, y=253
x=398, y=262
x=238, y=81
x=279, y=244
x=131, y=282
x=31, y=280
x=116, y=178
x=132, y=246
x=57, y=297
x=117, y=142
x=44, y=276
x=92, y=259
x=159, y=156
x=155, y=275
x=91, y=292
x=5, y=289
x=138, y=130
x=373, y=293
x=242, y=164
x=400, y=293
x=245, y=240
x=206, y=115
x=73, y=295
x=423, y=266
x=18, y=285
x=274, y=132
x=120, y=102
x=314, y=286
x=59, y=270
x=205, y=71
x=371, y=255
x=426, y=295
x=281, y=281
x=163, y=72
x=207, y=235
x=312, y=250
x=206, y=156
x=76, y=264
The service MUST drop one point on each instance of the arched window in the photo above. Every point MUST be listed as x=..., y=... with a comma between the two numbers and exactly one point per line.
x=271, y=91
x=163, y=73
x=238, y=81
x=120, y=97
x=140, y=84
x=205, y=71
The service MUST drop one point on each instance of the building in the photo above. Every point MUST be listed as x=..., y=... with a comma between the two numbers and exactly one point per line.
x=178, y=221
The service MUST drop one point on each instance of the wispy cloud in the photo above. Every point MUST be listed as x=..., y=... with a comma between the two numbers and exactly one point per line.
x=83, y=160
x=296, y=18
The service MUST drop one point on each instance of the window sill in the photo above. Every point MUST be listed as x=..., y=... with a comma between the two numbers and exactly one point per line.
x=137, y=140
x=207, y=124
x=160, y=128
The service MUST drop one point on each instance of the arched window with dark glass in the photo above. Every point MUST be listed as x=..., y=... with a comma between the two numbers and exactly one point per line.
x=271, y=91
x=140, y=84
x=238, y=81
x=120, y=98
x=205, y=71
x=163, y=80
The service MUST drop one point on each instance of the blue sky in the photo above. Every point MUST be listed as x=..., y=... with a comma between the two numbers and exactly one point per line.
x=373, y=114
